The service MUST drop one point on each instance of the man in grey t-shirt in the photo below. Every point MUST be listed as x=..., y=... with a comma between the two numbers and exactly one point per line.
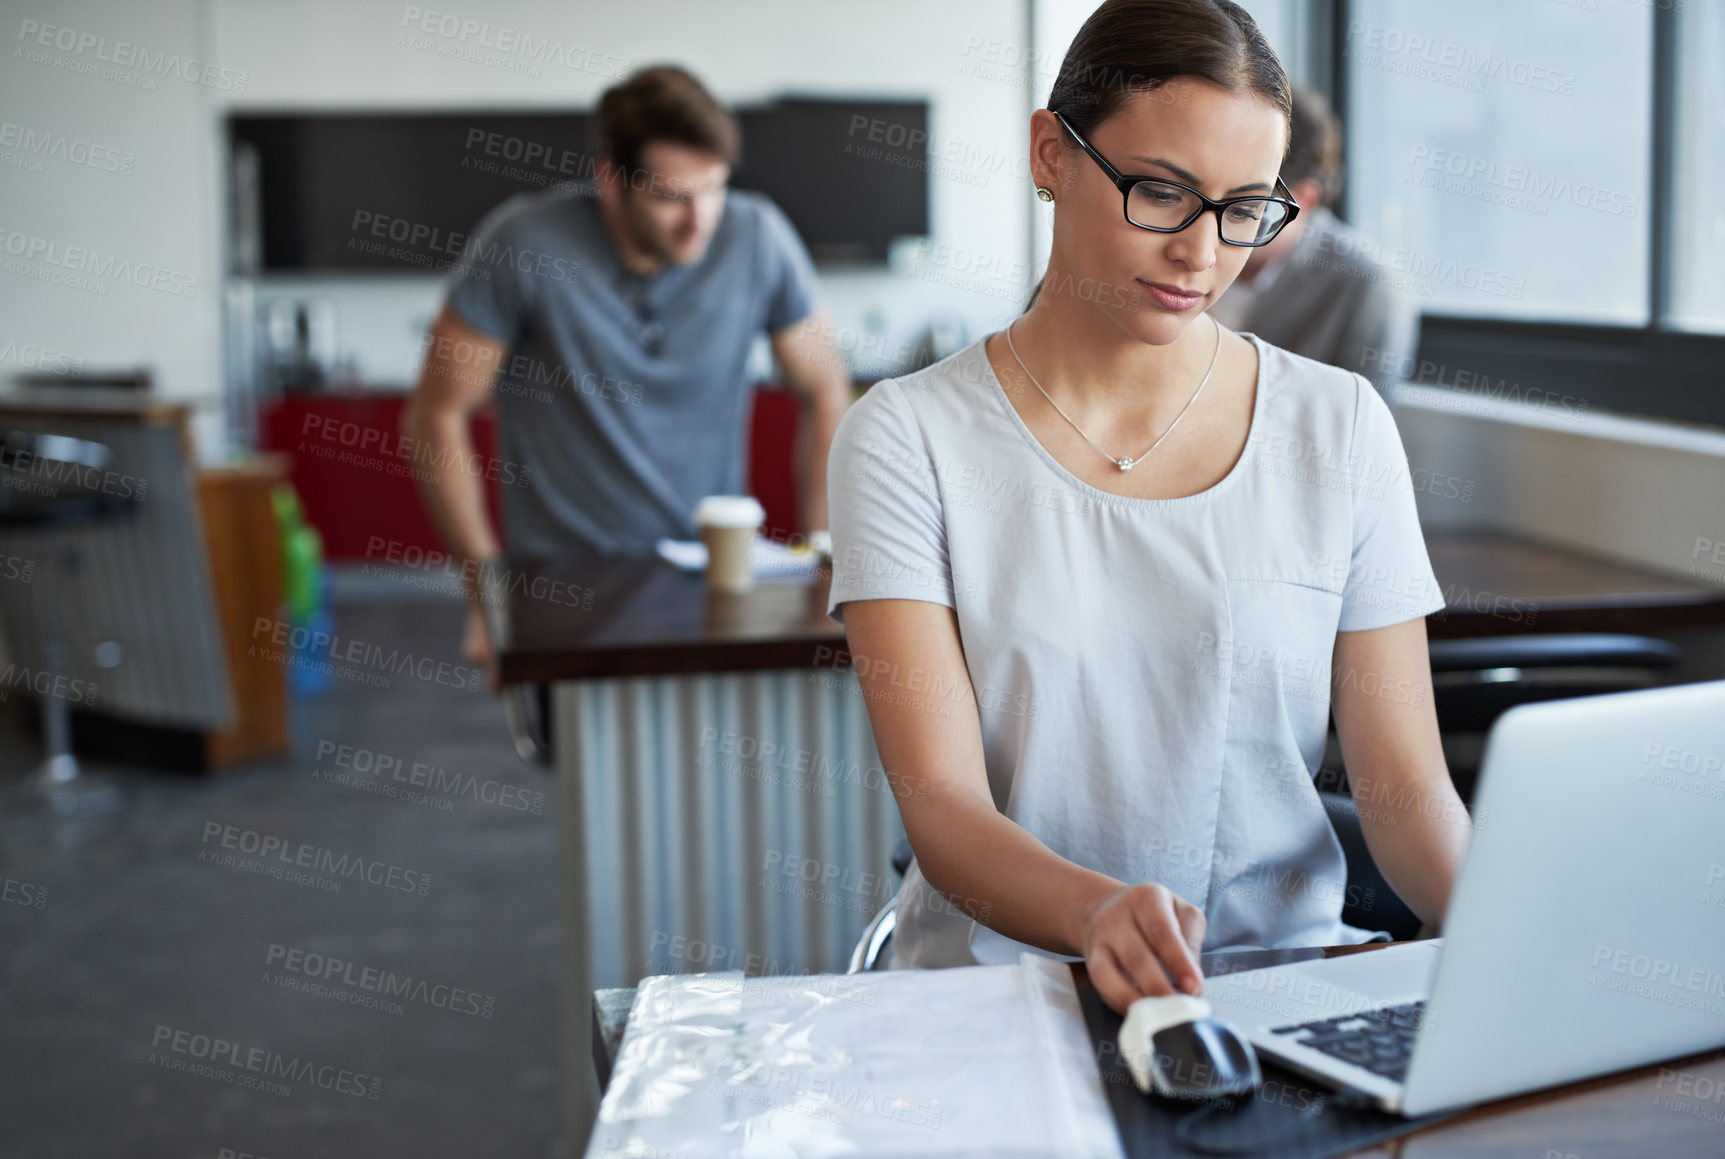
x=614, y=322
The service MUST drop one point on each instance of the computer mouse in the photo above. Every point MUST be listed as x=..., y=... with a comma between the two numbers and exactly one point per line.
x=1176, y=1048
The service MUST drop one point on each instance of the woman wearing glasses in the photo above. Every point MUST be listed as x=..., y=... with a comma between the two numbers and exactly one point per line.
x=1110, y=567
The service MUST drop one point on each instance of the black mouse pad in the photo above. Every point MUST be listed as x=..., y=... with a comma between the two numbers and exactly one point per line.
x=1292, y=1117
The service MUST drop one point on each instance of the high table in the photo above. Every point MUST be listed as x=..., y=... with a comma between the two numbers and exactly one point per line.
x=1496, y=584
x=722, y=806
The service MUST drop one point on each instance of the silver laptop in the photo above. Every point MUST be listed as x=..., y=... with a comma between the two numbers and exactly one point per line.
x=1586, y=933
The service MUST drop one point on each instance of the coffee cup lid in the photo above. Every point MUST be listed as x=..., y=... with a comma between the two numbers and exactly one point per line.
x=730, y=511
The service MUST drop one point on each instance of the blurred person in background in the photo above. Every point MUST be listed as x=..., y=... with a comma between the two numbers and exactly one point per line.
x=1317, y=289
x=613, y=321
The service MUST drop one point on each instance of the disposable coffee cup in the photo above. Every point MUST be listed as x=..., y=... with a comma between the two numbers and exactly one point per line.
x=728, y=524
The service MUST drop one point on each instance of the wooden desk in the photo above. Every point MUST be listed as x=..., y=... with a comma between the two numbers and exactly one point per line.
x=244, y=546
x=135, y=406
x=1499, y=585
x=643, y=617
x=1620, y=1116
x=646, y=618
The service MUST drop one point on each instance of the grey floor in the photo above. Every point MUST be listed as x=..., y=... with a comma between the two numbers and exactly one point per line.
x=119, y=943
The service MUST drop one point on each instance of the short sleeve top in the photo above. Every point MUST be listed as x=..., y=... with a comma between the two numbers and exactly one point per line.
x=1152, y=675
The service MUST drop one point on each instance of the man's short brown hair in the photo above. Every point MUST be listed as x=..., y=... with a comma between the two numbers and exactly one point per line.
x=664, y=103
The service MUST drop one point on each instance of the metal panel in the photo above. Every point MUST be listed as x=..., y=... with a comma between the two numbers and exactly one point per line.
x=731, y=821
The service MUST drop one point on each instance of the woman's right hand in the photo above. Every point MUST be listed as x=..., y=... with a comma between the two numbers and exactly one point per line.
x=1142, y=941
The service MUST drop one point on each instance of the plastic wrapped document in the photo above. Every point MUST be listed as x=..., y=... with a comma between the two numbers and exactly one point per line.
x=981, y=1060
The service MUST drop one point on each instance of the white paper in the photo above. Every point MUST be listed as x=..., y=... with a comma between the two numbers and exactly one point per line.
x=769, y=557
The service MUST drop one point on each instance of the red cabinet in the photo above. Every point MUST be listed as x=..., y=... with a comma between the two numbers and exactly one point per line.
x=354, y=469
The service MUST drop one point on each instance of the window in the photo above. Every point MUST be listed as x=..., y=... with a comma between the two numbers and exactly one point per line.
x=1698, y=184
x=1546, y=170
x=1500, y=154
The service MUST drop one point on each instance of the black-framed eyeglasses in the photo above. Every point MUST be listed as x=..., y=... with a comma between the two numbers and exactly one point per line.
x=1164, y=206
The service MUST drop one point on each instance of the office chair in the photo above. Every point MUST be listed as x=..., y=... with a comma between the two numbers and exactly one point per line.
x=870, y=951
x=1475, y=681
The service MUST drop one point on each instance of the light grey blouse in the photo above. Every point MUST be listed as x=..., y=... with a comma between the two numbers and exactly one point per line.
x=1152, y=675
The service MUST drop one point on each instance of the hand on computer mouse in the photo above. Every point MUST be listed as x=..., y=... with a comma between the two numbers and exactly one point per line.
x=1142, y=942
x=1175, y=1048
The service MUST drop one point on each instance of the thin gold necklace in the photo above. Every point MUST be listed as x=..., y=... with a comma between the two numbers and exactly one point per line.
x=1127, y=463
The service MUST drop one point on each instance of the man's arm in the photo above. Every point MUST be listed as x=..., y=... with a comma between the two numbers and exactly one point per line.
x=461, y=365
x=1415, y=825
x=815, y=371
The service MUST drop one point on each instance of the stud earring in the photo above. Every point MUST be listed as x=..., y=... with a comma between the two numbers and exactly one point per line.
x=1044, y=193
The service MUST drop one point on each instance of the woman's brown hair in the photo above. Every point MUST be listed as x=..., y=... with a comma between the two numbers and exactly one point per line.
x=1136, y=46
x=1128, y=47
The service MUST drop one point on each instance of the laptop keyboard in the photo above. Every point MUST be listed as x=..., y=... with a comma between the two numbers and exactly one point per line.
x=1379, y=1040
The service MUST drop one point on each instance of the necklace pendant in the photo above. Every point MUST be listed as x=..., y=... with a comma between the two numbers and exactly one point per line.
x=1124, y=464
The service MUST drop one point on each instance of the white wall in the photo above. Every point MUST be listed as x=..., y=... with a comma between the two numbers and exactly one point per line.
x=982, y=64
x=341, y=54
x=1644, y=492
x=119, y=182
x=168, y=209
